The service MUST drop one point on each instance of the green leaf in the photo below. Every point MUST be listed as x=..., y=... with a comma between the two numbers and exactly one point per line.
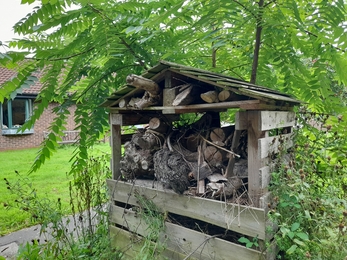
x=243, y=240
x=292, y=249
x=299, y=242
x=291, y=235
x=295, y=226
x=302, y=235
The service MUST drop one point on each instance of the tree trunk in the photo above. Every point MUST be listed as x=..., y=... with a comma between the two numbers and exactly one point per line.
x=257, y=42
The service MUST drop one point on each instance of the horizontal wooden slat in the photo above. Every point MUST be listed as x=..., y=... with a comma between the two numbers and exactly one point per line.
x=276, y=119
x=130, y=245
x=191, y=108
x=242, y=219
x=129, y=117
x=271, y=144
x=186, y=241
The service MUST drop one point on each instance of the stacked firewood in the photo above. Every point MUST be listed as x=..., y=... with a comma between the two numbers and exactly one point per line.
x=201, y=157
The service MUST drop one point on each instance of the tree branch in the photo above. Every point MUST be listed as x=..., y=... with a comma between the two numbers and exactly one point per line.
x=244, y=7
x=122, y=40
x=64, y=58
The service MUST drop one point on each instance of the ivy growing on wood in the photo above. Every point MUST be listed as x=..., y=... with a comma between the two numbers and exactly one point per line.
x=85, y=48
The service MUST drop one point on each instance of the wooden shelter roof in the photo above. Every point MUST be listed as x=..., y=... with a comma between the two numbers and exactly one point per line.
x=157, y=73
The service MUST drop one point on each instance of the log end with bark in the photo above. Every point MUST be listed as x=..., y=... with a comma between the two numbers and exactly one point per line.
x=171, y=170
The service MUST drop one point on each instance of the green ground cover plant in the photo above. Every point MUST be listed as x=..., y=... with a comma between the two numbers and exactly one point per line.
x=309, y=191
x=50, y=181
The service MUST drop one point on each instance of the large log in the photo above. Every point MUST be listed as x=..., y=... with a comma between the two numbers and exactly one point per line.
x=171, y=170
x=152, y=95
x=143, y=83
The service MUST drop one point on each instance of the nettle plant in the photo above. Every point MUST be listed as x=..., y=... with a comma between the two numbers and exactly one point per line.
x=309, y=191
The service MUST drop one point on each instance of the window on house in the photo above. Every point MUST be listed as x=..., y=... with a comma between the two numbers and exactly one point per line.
x=14, y=114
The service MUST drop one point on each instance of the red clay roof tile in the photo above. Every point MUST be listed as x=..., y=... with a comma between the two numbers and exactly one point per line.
x=6, y=74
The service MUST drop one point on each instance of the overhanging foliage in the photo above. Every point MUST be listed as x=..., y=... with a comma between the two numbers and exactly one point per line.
x=87, y=47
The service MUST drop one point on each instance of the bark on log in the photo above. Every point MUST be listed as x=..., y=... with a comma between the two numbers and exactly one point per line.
x=144, y=83
x=147, y=141
x=171, y=170
x=227, y=95
x=210, y=96
x=136, y=162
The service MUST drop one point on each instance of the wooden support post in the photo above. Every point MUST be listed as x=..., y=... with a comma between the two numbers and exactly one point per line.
x=254, y=160
x=116, y=143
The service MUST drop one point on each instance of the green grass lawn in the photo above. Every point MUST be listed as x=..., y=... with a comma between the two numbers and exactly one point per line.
x=51, y=181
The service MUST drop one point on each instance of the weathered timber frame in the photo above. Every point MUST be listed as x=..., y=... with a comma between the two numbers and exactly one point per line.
x=267, y=116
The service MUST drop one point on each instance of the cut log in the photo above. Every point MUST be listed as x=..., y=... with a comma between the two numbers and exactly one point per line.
x=217, y=135
x=158, y=125
x=186, y=97
x=133, y=100
x=227, y=95
x=124, y=102
x=143, y=83
x=214, y=156
x=210, y=96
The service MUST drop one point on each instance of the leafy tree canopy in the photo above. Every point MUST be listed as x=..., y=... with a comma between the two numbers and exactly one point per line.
x=87, y=47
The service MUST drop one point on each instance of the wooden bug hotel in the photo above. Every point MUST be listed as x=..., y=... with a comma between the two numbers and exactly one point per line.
x=207, y=177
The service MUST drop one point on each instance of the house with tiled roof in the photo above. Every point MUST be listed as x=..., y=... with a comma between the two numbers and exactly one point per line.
x=15, y=111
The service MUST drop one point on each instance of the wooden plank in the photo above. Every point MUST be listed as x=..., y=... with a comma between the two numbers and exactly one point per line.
x=241, y=120
x=136, y=117
x=116, y=119
x=196, y=107
x=271, y=144
x=186, y=241
x=242, y=219
x=116, y=143
x=276, y=119
x=130, y=245
x=265, y=176
x=254, y=161
x=271, y=96
x=283, y=106
x=264, y=201
x=221, y=106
